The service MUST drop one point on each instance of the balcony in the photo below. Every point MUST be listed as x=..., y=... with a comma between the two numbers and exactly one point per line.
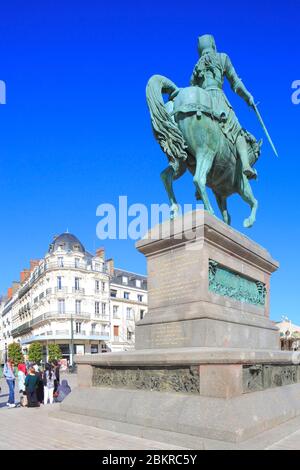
x=78, y=291
x=99, y=317
x=57, y=265
x=61, y=290
x=22, y=329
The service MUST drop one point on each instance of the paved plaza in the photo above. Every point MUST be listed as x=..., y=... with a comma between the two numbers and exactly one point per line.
x=37, y=428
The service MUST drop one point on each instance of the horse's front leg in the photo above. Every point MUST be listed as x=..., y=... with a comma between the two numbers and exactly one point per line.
x=168, y=176
x=204, y=164
x=245, y=191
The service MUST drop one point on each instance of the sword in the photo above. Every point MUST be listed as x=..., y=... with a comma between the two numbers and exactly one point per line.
x=264, y=128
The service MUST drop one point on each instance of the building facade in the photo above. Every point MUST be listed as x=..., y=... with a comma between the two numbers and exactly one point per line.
x=65, y=298
x=129, y=300
x=289, y=335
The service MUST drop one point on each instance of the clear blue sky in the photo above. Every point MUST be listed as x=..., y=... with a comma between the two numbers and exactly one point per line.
x=75, y=131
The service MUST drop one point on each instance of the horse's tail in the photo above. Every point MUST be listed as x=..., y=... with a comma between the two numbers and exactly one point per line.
x=165, y=129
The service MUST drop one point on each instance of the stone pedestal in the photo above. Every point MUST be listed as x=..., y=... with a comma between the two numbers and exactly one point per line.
x=209, y=286
x=207, y=361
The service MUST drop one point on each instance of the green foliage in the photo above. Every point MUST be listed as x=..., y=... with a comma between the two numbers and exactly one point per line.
x=35, y=353
x=54, y=352
x=15, y=353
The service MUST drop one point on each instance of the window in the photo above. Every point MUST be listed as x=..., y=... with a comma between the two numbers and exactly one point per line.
x=97, y=286
x=103, y=286
x=129, y=313
x=116, y=311
x=77, y=262
x=126, y=295
x=129, y=335
x=140, y=298
x=77, y=306
x=125, y=280
x=61, y=306
x=142, y=314
x=78, y=327
x=77, y=283
x=113, y=293
x=138, y=283
x=60, y=262
x=93, y=331
x=103, y=308
x=59, y=282
x=94, y=348
x=97, y=308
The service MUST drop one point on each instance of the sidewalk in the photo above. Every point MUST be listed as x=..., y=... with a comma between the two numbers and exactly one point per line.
x=33, y=428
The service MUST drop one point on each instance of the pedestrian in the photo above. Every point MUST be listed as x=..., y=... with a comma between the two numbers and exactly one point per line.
x=9, y=375
x=40, y=386
x=63, y=390
x=55, y=366
x=21, y=377
x=31, y=383
x=48, y=380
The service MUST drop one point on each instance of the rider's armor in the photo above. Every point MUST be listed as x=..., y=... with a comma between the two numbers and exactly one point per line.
x=209, y=74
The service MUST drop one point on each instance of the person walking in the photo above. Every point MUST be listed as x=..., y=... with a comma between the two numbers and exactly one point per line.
x=9, y=375
x=48, y=380
x=31, y=383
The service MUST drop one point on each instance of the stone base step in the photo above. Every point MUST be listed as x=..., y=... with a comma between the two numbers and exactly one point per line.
x=234, y=420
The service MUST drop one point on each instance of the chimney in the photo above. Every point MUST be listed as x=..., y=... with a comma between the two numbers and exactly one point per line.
x=24, y=275
x=15, y=287
x=9, y=293
x=100, y=252
x=34, y=263
x=110, y=266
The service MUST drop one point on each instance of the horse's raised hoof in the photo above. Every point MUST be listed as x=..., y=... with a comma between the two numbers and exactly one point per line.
x=248, y=223
x=174, y=212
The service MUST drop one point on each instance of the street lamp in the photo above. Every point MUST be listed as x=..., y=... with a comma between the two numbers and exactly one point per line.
x=71, y=342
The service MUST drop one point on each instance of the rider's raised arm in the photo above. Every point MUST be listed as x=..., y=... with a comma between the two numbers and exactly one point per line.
x=235, y=81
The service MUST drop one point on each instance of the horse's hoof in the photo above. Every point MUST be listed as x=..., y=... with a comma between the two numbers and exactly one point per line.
x=248, y=223
x=174, y=213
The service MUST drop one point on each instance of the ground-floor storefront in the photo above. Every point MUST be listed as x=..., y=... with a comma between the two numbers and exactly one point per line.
x=68, y=349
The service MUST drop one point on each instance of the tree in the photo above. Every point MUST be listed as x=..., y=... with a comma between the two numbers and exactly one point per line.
x=54, y=352
x=35, y=353
x=15, y=353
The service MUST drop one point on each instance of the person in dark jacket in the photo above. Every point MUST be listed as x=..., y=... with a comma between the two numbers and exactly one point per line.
x=40, y=387
x=31, y=383
x=55, y=366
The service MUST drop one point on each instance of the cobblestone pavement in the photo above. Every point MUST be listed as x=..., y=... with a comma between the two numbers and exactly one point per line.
x=33, y=428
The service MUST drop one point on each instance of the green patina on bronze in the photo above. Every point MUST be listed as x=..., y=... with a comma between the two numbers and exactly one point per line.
x=163, y=379
x=223, y=281
x=198, y=131
x=263, y=376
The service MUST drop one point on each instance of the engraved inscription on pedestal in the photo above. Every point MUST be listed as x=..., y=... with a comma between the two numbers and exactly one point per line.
x=167, y=335
x=166, y=379
x=168, y=279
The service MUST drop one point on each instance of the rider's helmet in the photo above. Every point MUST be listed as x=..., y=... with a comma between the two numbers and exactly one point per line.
x=206, y=43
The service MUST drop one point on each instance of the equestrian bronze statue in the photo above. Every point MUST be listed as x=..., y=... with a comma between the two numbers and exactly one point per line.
x=198, y=131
